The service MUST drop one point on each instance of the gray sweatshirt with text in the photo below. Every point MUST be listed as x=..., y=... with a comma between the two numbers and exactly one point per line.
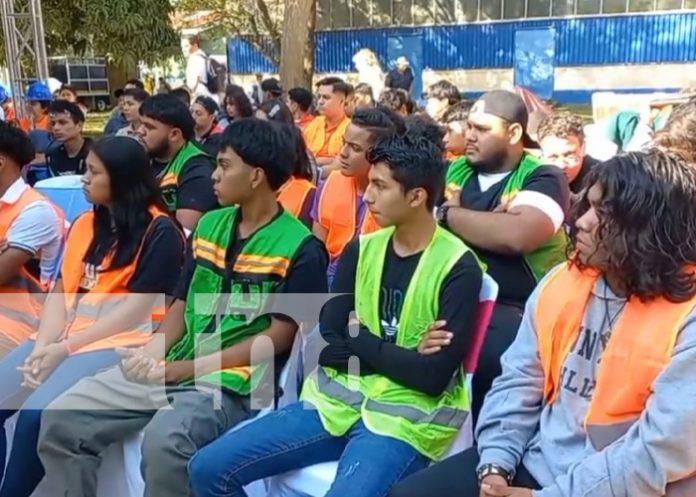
x=515, y=427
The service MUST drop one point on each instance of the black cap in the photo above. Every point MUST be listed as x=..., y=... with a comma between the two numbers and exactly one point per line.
x=509, y=106
x=272, y=85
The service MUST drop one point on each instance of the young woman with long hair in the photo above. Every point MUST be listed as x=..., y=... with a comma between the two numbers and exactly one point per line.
x=121, y=259
x=297, y=194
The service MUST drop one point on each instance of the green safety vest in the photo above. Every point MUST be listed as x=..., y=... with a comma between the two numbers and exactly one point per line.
x=428, y=424
x=550, y=254
x=171, y=176
x=260, y=268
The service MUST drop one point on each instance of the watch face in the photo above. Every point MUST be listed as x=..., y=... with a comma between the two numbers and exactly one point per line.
x=441, y=213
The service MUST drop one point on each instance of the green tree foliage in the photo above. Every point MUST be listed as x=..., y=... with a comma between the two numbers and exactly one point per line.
x=258, y=21
x=124, y=31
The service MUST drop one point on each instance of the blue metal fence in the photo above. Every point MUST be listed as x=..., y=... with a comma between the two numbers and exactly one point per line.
x=592, y=41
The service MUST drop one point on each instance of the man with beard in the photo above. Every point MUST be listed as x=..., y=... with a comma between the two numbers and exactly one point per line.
x=510, y=209
x=167, y=129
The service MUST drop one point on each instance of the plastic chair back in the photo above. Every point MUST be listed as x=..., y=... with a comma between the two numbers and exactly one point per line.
x=66, y=192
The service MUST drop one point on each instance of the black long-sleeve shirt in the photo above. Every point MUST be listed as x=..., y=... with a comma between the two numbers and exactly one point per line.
x=458, y=303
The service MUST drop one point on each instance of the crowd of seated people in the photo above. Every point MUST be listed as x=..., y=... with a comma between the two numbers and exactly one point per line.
x=159, y=309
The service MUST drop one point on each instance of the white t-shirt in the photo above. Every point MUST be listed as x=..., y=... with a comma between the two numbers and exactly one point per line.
x=197, y=74
x=37, y=230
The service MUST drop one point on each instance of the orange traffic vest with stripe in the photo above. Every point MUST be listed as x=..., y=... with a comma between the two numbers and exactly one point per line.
x=338, y=208
x=105, y=288
x=319, y=143
x=640, y=348
x=23, y=297
x=293, y=194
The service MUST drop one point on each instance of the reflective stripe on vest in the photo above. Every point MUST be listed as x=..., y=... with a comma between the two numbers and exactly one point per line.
x=334, y=389
x=450, y=417
x=338, y=212
x=109, y=289
x=293, y=194
x=22, y=297
x=633, y=359
x=427, y=423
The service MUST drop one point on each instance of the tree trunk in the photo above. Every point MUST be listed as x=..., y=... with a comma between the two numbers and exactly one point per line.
x=297, y=47
x=118, y=74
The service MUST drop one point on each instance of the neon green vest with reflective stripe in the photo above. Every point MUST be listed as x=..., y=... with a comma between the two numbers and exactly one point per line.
x=239, y=296
x=171, y=176
x=429, y=424
x=550, y=254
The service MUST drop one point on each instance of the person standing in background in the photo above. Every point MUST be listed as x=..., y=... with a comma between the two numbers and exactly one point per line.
x=401, y=77
x=196, y=67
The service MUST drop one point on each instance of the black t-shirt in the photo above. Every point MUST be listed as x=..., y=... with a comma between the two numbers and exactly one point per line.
x=458, y=304
x=512, y=273
x=307, y=272
x=61, y=164
x=400, y=80
x=588, y=164
x=195, y=191
x=161, y=259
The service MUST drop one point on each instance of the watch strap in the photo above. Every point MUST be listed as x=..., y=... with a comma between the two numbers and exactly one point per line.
x=494, y=469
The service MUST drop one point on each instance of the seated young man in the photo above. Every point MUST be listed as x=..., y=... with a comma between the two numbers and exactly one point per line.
x=67, y=123
x=132, y=100
x=167, y=130
x=31, y=240
x=237, y=253
x=597, y=394
x=456, y=120
x=562, y=140
x=340, y=212
x=324, y=135
x=412, y=398
x=509, y=208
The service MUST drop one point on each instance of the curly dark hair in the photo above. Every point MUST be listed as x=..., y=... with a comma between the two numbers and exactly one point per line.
x=562, y=125
x=647, y=223
x=679, y=133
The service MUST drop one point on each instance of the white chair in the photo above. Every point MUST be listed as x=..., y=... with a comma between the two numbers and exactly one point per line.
x=66, y=192
x=120, y=469
x=315, y=481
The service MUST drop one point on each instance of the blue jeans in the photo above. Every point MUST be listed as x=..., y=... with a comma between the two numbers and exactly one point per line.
x=293, y=438
x=24, y=470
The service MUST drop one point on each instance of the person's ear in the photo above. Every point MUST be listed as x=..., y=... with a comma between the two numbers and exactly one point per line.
x=515, y=133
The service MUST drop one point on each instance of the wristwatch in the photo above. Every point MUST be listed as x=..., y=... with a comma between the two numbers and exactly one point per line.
x=441, y=215
x=493, y=469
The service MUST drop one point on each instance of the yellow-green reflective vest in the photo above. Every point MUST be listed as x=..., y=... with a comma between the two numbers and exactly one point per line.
x=429, y=424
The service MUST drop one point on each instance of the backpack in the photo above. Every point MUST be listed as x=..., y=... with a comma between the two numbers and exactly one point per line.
x=217, y=75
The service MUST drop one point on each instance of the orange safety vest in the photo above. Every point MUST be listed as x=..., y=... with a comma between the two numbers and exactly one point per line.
x=104, y=286
x=321, y=143
x=293, y=194
x=304, y=121
x=338, y=208
x=635, y=355
x=23, y=297
x=44, y=123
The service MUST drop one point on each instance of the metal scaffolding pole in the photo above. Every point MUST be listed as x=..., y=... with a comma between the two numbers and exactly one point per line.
x=25, y=46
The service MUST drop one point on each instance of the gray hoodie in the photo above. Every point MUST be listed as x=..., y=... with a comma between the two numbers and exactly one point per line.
x=515, y=427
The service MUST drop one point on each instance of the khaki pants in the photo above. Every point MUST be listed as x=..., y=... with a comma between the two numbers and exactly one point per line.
x=104, y=409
